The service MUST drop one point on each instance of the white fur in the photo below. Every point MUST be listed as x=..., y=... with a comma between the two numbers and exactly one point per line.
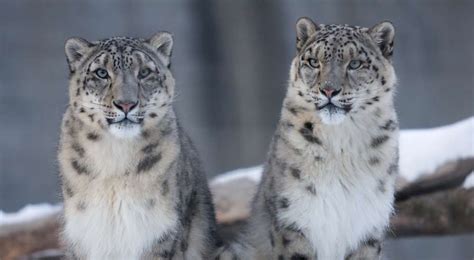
x=348, y=207
x=117, y=222
x=331, y=117
x=125, y=131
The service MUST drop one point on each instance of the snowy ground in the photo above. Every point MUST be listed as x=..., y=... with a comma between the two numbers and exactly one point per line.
x=421, y=152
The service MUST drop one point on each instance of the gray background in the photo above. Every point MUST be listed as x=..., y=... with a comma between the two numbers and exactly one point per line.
x=230, y=60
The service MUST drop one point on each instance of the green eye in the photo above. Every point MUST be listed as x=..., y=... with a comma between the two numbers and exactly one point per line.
x=313, y=63
x=354, y=64
x=101, y=73
x=143, y=73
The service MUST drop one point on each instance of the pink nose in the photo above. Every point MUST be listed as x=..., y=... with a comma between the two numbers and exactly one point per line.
x=125, y=106
x=330, y=92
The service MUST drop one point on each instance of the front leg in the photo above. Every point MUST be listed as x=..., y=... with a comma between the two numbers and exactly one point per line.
x=289, y=243
x=164, y=248
x=370, y=250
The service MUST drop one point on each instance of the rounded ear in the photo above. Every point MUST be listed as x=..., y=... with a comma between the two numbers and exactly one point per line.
x=162, y=43
x=305, y=28
x=76, y=49
x=383, y=34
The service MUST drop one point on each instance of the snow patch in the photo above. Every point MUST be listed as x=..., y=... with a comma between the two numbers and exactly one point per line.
x=469, y=181
x=253, y=173
x=28, y=213
x=424, y=150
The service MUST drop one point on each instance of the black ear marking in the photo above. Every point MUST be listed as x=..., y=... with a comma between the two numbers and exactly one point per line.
x=76, y=49
x=305, y=28
x=383, y=34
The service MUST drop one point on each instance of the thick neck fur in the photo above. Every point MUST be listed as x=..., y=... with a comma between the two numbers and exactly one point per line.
x=351, y=138
x=108, y=155
x=332, y=183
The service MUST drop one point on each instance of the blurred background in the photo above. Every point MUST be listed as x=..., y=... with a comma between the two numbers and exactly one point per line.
x=231, y=62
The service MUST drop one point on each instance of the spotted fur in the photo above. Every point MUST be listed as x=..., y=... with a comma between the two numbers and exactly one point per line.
x=132, y=182
x=328, y=183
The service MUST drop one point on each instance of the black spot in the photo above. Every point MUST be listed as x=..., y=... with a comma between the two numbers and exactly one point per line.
x=311, y=188
x=166, y=131
x=81, y=206
x=284, y=203
x=167, y=254
x=145, y=134
x=92, y=136
x=372, y=242
x=82, y=110
x=393, y=168
x=381, y=186
x=378, y=141
x=295, y=173
x=272, y=239
x=374, y=161
x=91, y=116
x=347, y=108
x=148, y=162
x=375, y=99
x=150, y=203
x=78, y=149
x=300, y=93
x=80, y=169
x=383, y=81
x=390, y=125
x=184, y=245
x=285, y=241
x=298, y=257
x=165, y=188
x=153, y=115
x=292, y=110
x=307, y=133
x=149, y=148
x=68, y=190
x=288, y=125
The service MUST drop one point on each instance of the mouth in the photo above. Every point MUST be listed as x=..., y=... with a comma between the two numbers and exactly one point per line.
x=124, y=122
x=331, y=107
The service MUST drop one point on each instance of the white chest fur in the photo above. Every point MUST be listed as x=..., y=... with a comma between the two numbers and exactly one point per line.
x=352, y=198
x=120, y=223
x=342, y=214
x=117, y=213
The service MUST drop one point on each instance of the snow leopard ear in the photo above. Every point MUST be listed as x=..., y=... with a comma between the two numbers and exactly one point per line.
x=305, y=28
x=162, y=43
x=383, y=34
x=76, y=49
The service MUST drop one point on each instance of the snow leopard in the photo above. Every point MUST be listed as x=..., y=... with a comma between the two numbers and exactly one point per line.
x=132, y=182
x=327, y=188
